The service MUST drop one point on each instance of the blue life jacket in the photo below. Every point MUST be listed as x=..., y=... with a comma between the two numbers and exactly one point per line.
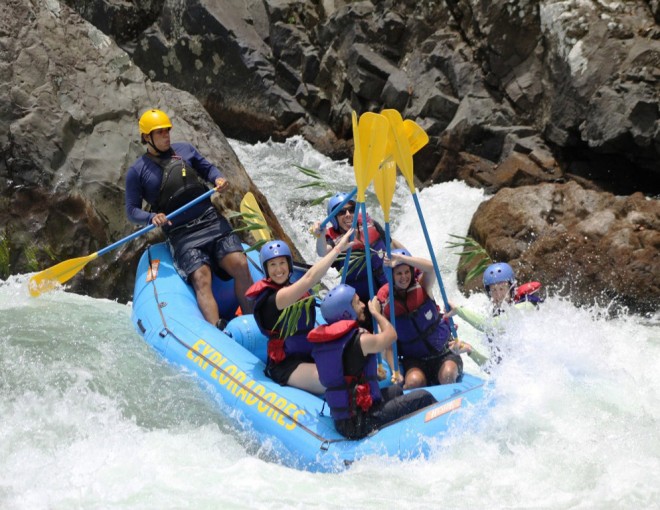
x=297, y=343
x=344, y=394
x=421, y=332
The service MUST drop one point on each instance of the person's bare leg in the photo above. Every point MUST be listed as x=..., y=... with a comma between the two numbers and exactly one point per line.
x=201, y=282
x=236, y=266
x=415, y=378
x=448, y=372
x=306, y=377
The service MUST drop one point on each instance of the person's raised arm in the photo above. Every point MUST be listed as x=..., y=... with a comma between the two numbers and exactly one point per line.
x=322, y=247
x=292, y=293
x=427, y=278
x=373, y=343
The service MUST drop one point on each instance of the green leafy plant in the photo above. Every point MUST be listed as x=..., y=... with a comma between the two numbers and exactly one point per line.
x=4, y=255
x=249, y=221
x=318, y=182
x=290, y=316
x=356, y=263
x=31, y=257
x=472, y=253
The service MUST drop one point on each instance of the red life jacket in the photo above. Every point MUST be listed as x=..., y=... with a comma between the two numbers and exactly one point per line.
x=415, y=297
x=421, y=332
x=358, y=243
x=525, y=293
x=257, y=288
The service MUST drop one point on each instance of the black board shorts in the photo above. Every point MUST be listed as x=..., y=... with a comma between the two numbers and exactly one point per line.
x=431, y=365
x=280, y=372
x=204, y=241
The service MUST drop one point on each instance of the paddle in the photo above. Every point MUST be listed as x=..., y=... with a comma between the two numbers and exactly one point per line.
x=370, y=138
x=417, y=138
x=403, y=157
x=384, y=185
x=250, y=209
x=48, y=279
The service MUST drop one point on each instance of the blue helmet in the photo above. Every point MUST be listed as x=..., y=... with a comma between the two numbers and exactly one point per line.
x=338, y=304
x=496, y=273
x=274, y=249
x=333, y=203
x=401, y=251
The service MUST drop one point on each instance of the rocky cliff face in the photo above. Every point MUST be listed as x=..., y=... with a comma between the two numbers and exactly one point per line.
x=511, y=93
x=595, y=247
x=70, y=100
x=554, y=87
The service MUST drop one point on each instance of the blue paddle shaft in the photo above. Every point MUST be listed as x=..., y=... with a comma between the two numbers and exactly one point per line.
x=151, y=226
x=390, y=281
x=336, y=210
x=435, y=263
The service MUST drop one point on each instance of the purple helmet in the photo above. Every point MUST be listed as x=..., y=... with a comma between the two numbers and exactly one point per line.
x=333, y=203
x=338, y=304
x=274, y=249
x=496, y=273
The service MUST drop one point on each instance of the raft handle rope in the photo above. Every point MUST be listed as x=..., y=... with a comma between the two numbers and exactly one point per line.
x=325, y=442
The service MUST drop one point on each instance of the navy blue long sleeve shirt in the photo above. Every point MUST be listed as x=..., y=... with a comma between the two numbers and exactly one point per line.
x=144, y=178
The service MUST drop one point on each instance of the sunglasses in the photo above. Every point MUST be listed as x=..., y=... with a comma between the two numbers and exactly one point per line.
x=345, y=211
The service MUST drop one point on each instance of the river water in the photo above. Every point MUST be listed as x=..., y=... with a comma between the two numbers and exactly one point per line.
x=91, y=418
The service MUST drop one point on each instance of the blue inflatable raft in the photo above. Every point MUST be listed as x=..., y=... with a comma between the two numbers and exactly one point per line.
x=295, y=423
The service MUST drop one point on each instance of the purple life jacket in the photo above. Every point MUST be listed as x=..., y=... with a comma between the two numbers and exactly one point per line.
x=344, y=394
x=421, y=332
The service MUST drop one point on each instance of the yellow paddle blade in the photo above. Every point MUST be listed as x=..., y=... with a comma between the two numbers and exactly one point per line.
x=372, y=142
x=384, y=184
x=48, y=279
x=253, y=214
x=402, y=153
x=417, y=137
x=357, y=153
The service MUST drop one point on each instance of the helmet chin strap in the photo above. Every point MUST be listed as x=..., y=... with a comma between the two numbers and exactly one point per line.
x=150, y=142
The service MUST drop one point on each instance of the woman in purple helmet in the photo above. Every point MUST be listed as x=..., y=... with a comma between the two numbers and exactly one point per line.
x=290, y=361
x=423, y=334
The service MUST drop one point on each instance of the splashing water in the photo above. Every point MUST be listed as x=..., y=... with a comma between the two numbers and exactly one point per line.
x=93, y=418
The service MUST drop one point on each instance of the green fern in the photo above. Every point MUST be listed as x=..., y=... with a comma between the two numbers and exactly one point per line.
x=318, y=182
x=4, y=255
x=289, y=317
x=472, y=252
x=31, y=257
x=356, y=263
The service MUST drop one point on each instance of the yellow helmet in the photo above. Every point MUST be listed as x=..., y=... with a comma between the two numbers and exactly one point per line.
x=153, y=119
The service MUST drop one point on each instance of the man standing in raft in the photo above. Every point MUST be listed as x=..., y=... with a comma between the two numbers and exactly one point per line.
x=200, y=239
x=290, y=361
x=346, y=359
